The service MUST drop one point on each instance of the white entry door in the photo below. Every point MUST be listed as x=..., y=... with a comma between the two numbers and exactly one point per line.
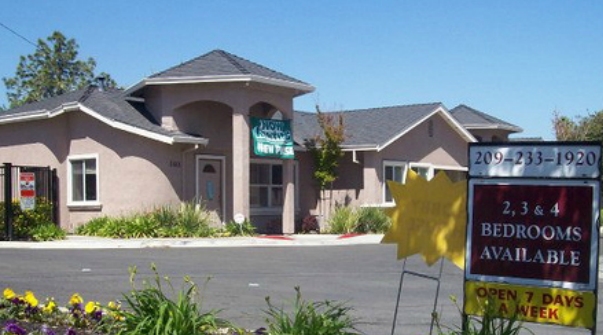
x=209, y=183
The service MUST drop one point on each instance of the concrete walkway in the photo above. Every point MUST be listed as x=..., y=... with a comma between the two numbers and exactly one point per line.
x=87, y=242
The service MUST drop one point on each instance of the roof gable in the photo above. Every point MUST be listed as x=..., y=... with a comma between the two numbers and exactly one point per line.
x=376, y=128
x=221, y=66
x=109, y=106
x=471, y=118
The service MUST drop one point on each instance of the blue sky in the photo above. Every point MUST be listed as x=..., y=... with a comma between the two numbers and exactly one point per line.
x=516, y=60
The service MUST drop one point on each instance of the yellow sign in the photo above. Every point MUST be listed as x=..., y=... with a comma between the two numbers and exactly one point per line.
x=430, y=218
x=533, y=304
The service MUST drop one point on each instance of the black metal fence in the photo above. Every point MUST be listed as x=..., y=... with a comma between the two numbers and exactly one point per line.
x=46, y=187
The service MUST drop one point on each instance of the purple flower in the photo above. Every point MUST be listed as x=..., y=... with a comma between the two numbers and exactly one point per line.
x=47, y=330
x=70, y=331
x=97, y=315
x=11, y=327
x=17, y=301
x=260, y=331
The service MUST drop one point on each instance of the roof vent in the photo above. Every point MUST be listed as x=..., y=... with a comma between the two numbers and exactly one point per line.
x=101, y=82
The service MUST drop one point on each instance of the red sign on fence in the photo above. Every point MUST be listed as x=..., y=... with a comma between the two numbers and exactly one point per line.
x=27, y=190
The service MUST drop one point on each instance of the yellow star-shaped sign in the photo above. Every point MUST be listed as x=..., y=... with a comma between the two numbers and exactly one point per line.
x=429, y=218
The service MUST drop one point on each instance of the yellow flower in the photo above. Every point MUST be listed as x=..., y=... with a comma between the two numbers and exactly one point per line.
x=50, y=306
x=91, y=307
x=30, y=298
x=112, y=305
x=9, y=294
x=76, y=299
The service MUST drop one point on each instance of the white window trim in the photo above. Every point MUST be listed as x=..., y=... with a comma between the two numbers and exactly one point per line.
x=450, y=167
x=387, y=163
x=275, y=210
x=427, y=166
x=82, y=204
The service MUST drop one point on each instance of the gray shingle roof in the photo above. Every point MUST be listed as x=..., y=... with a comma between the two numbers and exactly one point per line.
x=221, y=63
x=473, y=119
x=373, y=127
x=110, y=104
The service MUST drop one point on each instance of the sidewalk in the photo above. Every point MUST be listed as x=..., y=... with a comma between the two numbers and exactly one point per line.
x=88, y=242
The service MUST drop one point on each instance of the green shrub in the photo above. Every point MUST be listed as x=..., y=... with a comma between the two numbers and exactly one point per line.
x=372, y=220
x=244, y=229
x=151, y=311
x=362, y=220
x=187, y=220
x=343, y=220
x=316, y=318
x=37, y=220
x=490, y=323
x=47, y=232
x=194, y=219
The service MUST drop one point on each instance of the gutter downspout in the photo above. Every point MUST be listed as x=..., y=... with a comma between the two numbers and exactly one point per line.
x=354, y=158
x=184, y=152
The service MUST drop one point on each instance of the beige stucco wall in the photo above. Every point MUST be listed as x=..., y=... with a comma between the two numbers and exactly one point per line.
x=135, y=173
x=212, y=110
x=360, y=183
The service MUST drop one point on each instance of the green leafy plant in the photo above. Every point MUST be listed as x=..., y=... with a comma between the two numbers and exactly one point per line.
x=38, y=221
x=47, y=232
x=343, y=220
x=151, y=311
x=187, y=220
x=372, y=220
x=490, y=323
x=244, y=229
x=307, y=317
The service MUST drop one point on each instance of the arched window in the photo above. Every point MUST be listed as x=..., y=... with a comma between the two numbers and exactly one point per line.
x=209, y=169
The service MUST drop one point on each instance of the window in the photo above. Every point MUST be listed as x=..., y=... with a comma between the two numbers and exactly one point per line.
x=266, y=192
x=397, y=171
x=392, y=170
x=83, y=180
x=423, y=170
x=266, y=185
x=453, y=175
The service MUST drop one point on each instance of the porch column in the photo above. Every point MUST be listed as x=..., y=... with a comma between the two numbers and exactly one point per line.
x=289, y=197
x=240, y=164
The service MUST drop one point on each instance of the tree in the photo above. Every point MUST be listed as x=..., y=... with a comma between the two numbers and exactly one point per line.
x=589, y=128
x=326, y=150
x=53, y=69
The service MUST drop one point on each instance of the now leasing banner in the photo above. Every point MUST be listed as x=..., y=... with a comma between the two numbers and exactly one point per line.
x=272, y=138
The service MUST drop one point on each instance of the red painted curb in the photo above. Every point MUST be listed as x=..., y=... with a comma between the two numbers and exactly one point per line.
x=349, y=235
x=277, y=237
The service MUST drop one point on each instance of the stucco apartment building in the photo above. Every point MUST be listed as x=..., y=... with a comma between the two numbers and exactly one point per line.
x=222, y=130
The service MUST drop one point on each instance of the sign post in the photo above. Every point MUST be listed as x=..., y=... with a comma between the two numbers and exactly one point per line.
x=533, y=231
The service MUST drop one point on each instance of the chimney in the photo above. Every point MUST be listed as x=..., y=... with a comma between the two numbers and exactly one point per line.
x=101, y=82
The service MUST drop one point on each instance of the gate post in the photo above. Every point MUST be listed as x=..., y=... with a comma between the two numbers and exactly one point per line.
x=54, y=196
x=8, y=200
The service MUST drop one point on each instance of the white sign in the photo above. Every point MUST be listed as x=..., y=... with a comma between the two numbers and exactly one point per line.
x=27, y=190
x=552, y=160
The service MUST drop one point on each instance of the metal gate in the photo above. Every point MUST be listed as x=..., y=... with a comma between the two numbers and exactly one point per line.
x=46, y=189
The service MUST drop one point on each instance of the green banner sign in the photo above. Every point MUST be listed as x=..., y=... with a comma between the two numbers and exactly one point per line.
x=272, y=138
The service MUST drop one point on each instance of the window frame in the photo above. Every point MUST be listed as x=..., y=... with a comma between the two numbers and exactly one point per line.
x=428, y=166
x=393, y=164
x=270, y=209
x=82, y=203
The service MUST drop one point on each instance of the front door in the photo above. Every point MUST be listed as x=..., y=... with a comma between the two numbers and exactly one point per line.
x=209, y=183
